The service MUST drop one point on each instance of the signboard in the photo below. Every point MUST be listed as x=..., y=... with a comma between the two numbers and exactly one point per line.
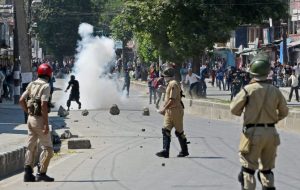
x=26, y=77
x=294, y=17
x=266, y=36
x=118, y=44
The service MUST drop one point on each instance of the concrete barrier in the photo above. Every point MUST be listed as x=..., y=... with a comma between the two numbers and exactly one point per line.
x=220, y=111
x=11, y=162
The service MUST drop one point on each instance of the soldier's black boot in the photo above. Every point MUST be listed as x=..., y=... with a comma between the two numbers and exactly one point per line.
x=259, y=179
x=166, y=144
x=28, y=174
x=241, y=179
x=43, y=177
x=241, y=176
x=183, y=144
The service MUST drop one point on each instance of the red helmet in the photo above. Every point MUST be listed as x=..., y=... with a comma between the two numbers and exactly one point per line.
x=45, y=70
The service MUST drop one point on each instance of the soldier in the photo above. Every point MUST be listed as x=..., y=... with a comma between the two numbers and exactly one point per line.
x=173, y=115
x=263, y=105
x=34, y=101
x=74, y=95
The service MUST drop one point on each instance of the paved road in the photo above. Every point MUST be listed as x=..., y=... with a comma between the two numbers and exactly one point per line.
x=11, y=132
x=123, y=156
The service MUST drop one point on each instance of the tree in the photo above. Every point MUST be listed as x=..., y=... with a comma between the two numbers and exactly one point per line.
x=58, y=23
x=182, y=29
x=147, y=51
x=111, y=9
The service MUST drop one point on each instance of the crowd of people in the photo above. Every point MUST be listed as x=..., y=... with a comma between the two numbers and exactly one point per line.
x=194, y=84
x=59, y=70
x=223, y=77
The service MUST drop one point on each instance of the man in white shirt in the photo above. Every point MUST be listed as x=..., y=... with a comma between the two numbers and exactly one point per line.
x=296, y=68
x=294, y=86
x=193, y=81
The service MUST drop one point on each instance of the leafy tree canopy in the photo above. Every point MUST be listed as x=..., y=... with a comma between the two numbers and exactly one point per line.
x=184, y=28
x=109, y=12
x=58, y=21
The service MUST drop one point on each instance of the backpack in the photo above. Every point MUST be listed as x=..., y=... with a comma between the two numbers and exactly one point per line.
x=34, y=102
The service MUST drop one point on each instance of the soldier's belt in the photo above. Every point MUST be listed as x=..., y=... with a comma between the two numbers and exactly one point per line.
x=260, y=125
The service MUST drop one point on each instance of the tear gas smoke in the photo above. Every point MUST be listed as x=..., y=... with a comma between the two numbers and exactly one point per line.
x=92, y=61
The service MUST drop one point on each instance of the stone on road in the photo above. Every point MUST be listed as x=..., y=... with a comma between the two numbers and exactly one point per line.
x=79, y=144
x=114, y=110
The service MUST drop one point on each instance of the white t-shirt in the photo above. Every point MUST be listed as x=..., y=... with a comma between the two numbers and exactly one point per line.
x=297, y=70
x=191, y=79
x=294, y=80
x=270, y=75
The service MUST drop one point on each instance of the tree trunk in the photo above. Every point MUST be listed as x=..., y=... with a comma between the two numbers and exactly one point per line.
x=196, y=64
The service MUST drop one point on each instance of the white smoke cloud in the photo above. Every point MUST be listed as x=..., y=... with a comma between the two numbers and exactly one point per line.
x=94, y=54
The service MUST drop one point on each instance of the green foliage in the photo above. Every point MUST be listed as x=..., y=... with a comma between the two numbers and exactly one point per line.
x=184, y=28
x=58, y=23
x=147, y=51
x=121, y=29
x=110, y=10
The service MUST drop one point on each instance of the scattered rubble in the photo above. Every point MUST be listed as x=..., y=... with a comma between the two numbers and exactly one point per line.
x=146, y=111
x=66, y=135
x=85, y=113
x=114, y=110
x=62, y=112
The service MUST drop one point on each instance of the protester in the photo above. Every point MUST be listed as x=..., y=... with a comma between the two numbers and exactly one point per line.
x=294, y=86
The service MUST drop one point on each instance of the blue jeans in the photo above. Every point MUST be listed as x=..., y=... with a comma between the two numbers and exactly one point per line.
x=279, y=82
x=219, y=82
x=152, y=91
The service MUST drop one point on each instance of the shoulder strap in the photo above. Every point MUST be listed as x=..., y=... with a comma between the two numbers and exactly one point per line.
x=38, y=92
x=247, y=95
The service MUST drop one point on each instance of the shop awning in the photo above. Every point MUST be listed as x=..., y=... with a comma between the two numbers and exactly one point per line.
x=247, y=52
x=293, y=44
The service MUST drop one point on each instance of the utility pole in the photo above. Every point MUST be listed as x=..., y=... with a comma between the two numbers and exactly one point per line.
x=23, y=42
x=284, y=40
x=16, y=68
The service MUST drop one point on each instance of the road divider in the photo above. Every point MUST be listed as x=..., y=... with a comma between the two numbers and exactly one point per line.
x=212, y=109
